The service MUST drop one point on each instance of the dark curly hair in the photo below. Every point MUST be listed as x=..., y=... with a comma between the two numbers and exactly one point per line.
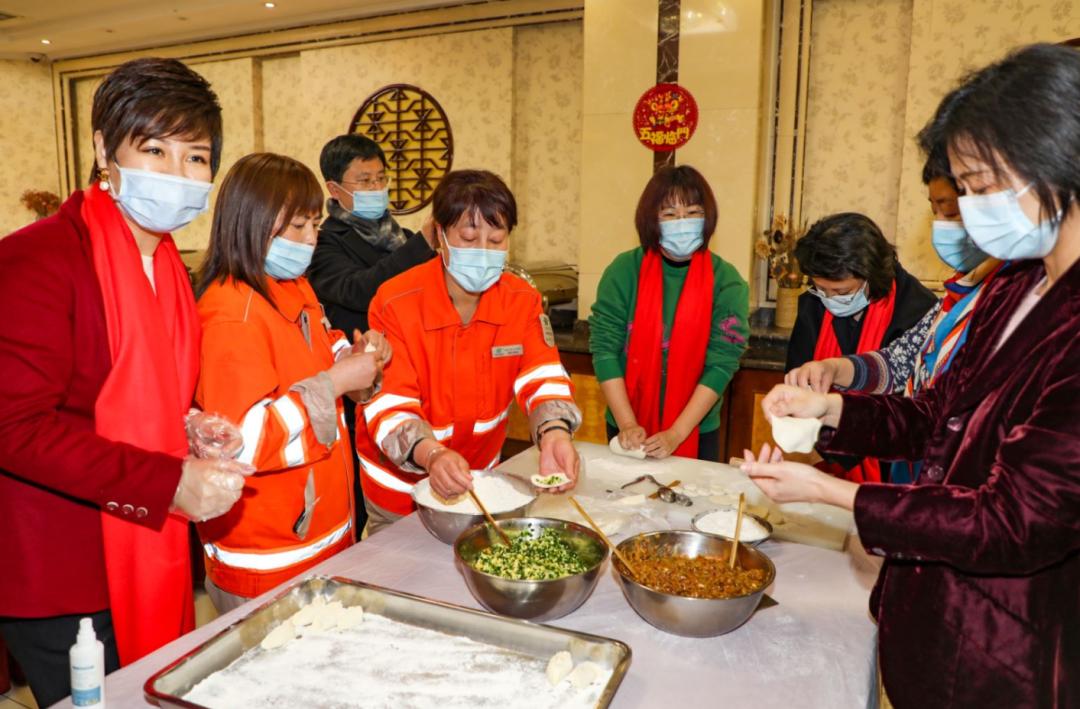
x=848, y=245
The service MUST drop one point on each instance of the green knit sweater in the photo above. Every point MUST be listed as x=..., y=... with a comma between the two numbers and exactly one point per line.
x=613, y=312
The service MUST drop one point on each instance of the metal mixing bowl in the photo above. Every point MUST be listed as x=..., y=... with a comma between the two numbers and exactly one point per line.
x=693, y=617
x=531, y=600
x=760, y=520
x=448, y=526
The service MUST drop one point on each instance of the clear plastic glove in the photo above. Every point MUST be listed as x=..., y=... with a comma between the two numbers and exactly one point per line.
x=209, y=487
x=449, y=473
x=354, y=373
x=212, y=435
x=374, y=342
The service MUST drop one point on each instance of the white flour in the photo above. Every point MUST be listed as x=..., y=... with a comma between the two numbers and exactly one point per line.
x=384, y=663
x=497, y=494
x=722, y=522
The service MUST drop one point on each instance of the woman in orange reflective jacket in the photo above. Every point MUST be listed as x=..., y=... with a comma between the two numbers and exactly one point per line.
x=469, y=340
x=270, y=364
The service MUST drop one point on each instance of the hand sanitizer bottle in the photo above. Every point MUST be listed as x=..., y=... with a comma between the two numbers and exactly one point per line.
x=87, y=668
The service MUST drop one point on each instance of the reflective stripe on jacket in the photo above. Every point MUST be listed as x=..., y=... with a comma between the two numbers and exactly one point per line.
x=252, y=353
x=459, y=379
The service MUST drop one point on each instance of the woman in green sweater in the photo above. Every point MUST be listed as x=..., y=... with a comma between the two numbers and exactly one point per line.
x=669, y=324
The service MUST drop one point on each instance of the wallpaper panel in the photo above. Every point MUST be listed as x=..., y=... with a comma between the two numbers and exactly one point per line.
x=547, y=86
x=950, y=38
x=855, y=120
x=469, y=73
x=27, y=140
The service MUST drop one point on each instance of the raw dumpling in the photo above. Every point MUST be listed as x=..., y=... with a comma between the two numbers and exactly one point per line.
x=584, y=674
x=553, y=480
x=617, y=448
x=279, y=636
x=559, y=667
x=326, y=617
x=795, y=435
x=350, y=617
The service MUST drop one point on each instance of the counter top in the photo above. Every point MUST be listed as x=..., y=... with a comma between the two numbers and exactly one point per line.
x=816, y=648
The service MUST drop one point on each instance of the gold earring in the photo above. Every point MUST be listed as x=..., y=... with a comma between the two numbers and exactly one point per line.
x=103, y=179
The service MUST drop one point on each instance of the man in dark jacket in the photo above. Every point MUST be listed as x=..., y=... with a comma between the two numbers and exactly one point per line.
x=360, y=247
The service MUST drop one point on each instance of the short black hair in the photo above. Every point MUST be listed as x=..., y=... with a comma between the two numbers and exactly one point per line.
x=1022, y=110
x=339, y=153
x=937, y=167
x=156, y=98
x=848, y=245
x=668, y=184
x=469, y=191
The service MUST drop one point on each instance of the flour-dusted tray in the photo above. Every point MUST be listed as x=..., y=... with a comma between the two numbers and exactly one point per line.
x=508, y=638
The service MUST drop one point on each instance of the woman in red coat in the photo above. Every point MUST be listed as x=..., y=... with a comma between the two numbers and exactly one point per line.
x=977, y=603
x=99, y=352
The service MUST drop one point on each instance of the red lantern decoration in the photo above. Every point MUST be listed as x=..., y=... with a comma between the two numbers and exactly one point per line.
x=665, y=117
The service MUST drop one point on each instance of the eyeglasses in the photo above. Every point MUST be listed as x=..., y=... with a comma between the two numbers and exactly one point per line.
x=368, y=184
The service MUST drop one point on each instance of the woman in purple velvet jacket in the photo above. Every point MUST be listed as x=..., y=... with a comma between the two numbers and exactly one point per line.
x=978, y=602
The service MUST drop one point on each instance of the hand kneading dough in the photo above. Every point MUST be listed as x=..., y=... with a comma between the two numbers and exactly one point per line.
x=559, y=666
x=617, y=448
x=584, y=674
x=279, y=636
x=795, y=435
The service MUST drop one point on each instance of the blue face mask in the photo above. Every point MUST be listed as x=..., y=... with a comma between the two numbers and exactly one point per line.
x=475, y=270
x=999, y=226
x=842, y=306
x=161, y=203
x=682, y=237
x=371, y=204
x=286, y=260
x=953, y=245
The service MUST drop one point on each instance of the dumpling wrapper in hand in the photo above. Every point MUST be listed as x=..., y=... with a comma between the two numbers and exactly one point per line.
x=617, y=449
x=370, y=348
x=795, y=435
x=553, y=480
x=559, y=667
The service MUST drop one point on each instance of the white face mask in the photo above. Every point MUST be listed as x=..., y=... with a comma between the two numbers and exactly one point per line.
x=475, y=269
x=997, y=224
x=159, y=202
x=841, y=306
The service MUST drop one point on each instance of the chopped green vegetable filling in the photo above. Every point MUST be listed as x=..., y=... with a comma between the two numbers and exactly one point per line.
x=551, y=480
x=546, y=557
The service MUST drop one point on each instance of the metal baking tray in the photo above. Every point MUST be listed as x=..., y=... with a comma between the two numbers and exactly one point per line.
x=167, y=687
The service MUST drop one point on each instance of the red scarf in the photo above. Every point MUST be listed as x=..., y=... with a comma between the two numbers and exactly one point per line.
x=686, y=349
x=154, y=344
x=876, y=319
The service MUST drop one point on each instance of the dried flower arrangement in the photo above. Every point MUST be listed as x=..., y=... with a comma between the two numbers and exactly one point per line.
x=776, y=246
x=40, y=202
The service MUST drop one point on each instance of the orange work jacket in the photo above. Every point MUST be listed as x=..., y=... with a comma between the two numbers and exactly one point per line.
x=460, y=379
x=252, y=352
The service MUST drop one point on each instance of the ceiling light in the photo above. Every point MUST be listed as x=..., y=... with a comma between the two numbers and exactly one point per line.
x=45, y=41
x=269, y=5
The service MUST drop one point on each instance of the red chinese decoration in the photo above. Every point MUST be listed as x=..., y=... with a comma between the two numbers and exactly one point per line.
x=665, y=117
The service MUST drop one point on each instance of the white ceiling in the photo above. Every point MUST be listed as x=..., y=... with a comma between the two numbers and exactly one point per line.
x=89, y=27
